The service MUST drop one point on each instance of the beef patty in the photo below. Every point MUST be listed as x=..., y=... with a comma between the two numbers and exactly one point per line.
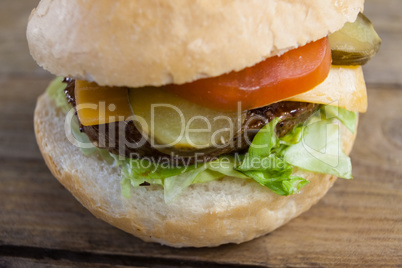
x=123, y=138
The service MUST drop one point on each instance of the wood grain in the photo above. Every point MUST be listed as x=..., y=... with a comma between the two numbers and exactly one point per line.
x=358, y=223
x=386, y=16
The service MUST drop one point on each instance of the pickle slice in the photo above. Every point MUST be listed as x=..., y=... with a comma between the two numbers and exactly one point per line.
x=174, y=123
x=356, y=43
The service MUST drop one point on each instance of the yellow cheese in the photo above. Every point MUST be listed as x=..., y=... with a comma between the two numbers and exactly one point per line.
x=98, y=105
x=344, y=87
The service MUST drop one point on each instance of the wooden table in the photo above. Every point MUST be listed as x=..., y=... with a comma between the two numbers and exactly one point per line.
x=358, y=222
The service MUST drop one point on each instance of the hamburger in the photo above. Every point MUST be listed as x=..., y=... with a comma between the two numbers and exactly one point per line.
x=200, y=123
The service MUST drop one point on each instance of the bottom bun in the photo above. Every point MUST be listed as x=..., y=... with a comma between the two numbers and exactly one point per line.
x=229, y=210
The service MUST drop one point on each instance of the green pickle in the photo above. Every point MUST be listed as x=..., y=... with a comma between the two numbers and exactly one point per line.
x=355, y=44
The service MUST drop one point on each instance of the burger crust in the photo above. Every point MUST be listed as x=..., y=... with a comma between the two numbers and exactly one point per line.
x=155, y=42
x=229, y=210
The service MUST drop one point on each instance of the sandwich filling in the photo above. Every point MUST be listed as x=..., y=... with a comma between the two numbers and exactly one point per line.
x=269, y=159
x=107, y=136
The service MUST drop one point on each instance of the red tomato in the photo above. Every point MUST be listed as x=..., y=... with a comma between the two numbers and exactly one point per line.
x=272, y=80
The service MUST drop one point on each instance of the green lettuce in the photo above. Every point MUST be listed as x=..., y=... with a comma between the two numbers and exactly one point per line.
x=314, y=146
x=347, y=118
x=174, y=179
x=56, y=91
x=320, y=150
x=263, y=164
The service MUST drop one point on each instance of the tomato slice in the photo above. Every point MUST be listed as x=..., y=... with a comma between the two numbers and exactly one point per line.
x=274, y=79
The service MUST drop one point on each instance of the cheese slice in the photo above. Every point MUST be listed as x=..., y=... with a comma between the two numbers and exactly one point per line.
x=344, y=87
x=98, y=105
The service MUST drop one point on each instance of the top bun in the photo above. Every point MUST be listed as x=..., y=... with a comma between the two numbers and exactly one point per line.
x=155, y=42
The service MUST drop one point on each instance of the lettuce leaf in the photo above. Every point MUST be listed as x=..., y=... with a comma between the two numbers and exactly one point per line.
x=225, y=166
x=347, y=118
x=263, y=164
x=56, y=91
x=175, y=179
x=174, y=186
x=320, y=150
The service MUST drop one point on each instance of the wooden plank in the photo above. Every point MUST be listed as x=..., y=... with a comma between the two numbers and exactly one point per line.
x=17, y=103
x=14, y=54
x=19, y=262
x=358, y=222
